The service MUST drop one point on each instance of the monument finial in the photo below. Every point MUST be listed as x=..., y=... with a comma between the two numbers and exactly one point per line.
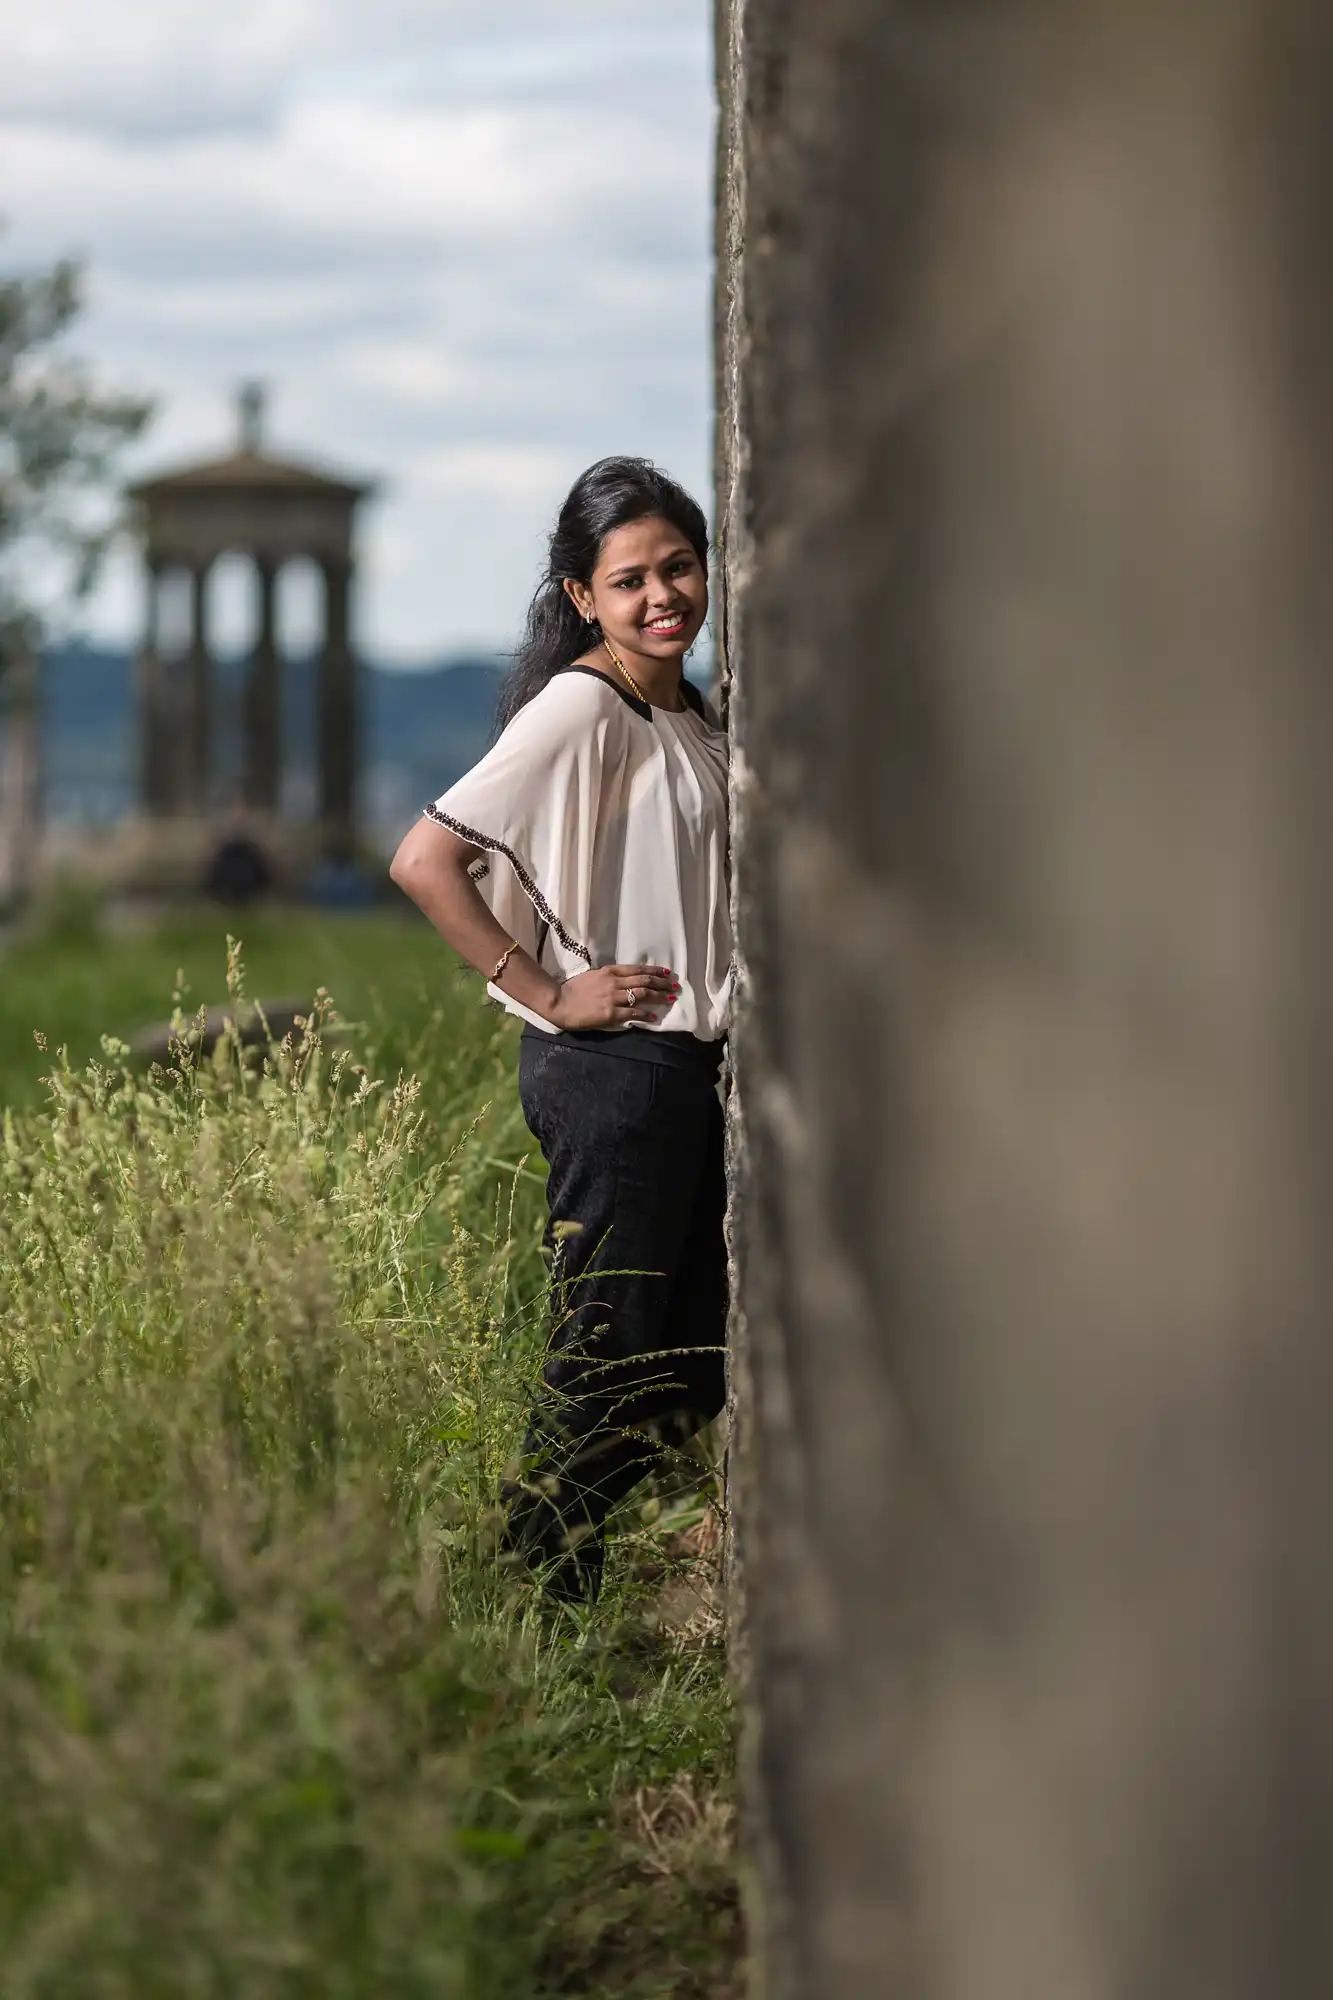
x=250, y=400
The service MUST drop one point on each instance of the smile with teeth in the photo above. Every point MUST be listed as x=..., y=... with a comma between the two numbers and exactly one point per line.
x=672, y=622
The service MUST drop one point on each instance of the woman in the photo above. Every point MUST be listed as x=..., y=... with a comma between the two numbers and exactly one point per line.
x=583, y=866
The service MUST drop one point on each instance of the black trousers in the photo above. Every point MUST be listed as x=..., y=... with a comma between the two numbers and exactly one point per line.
x=636, y=1361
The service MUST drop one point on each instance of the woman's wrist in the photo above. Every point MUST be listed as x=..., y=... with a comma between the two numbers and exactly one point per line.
x=528, y=983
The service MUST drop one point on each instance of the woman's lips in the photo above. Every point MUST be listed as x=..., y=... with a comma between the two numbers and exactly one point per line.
x=667, y=628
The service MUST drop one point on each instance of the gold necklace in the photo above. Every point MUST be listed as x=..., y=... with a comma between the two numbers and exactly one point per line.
x=624, y=671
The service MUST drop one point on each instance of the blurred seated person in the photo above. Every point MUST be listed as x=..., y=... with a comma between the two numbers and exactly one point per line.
x=239, y=871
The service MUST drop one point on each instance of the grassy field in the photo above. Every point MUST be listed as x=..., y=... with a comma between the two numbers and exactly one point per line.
x=276, y=1719
x=75, y=979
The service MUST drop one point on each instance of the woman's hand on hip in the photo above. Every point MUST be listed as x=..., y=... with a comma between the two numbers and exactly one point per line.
x=613, y=995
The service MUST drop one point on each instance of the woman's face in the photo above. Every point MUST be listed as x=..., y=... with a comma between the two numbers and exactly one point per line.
x=649, y=591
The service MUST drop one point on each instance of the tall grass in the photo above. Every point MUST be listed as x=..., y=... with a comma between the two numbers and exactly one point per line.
x=276, y=1718
x=79, y=971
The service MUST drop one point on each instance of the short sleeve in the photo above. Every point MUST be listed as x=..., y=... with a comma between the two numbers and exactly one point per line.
x=532, y=805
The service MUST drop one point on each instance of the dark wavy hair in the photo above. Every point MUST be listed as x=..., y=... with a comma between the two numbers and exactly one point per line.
x=608, y=495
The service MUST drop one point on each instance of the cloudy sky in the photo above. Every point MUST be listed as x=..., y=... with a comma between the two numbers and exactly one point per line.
x=466, y=242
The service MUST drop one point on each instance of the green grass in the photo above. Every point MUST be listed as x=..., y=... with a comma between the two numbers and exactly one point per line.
x=276, y=1719
x=74, y=982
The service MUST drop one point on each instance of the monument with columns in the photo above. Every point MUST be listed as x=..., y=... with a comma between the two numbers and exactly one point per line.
x=272, y=510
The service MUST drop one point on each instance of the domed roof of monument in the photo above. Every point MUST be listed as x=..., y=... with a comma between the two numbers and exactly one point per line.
x=250, y=467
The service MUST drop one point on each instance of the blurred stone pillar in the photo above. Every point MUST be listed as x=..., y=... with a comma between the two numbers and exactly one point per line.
x=263, y=700
x=1026, y=468
x=337, y=714
x=155, y=776
x=198, y=790
x=20, y=769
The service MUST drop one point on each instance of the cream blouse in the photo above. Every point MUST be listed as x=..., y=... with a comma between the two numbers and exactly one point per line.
x=605, y=828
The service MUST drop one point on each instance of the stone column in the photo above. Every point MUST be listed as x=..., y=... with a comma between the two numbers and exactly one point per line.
x=198, y=791
x=155, y=790
x=263, y=701
x=1030, y=511
x=20, y=771
x=338, y=714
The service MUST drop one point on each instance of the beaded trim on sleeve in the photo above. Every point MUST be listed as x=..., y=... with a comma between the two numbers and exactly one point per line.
x=526, y=883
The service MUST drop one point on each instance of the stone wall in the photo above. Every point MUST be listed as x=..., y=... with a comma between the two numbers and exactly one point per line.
x=1025, y=458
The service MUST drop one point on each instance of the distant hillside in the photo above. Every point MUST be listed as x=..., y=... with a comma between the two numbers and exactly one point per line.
x=423, y=730
x=88, y=747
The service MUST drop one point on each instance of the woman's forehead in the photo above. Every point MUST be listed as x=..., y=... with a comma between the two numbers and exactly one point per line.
x=641, y=542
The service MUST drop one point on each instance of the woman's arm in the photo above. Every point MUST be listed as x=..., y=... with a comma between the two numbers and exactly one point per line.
x=431, y=866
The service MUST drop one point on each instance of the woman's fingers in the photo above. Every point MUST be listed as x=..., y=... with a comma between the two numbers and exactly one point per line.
x=644, y=978
x=643, y=975
x=623, y=1011
x=638, y=992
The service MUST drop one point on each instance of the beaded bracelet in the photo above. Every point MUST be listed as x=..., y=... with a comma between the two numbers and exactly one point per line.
x=502, y=962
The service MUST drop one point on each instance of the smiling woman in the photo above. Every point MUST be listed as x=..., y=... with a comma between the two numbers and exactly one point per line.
x=583, y=864
x=629, y=566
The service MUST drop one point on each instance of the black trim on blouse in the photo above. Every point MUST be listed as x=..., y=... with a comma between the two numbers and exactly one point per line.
x=642, y=708
x=692, y=697
x=476, y=838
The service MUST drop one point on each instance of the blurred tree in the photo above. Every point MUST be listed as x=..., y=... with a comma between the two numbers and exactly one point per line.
x=59, y=439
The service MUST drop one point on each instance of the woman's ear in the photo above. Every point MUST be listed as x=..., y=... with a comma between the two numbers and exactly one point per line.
x=580, y=597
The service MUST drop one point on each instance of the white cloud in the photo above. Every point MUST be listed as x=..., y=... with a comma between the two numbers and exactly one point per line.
x=332, y=176
x=159, y=68
x=153, y=65
x=467, y=244
x=508, y=471
x=414, y=371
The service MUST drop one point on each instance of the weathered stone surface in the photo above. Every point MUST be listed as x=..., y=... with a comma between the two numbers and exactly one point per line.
x=1025, y=509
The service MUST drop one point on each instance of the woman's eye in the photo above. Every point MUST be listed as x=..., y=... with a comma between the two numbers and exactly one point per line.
x=629, y=583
